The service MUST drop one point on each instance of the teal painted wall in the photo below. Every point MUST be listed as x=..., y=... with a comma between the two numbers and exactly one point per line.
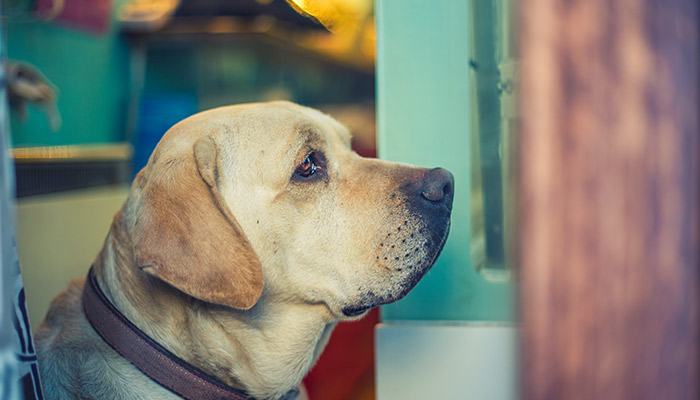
x=90, y=71
x=423, y=117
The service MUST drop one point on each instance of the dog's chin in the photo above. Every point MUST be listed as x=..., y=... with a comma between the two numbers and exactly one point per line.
x=408, y=280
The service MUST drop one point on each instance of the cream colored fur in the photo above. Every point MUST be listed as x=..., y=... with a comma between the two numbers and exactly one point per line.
x=236, y=265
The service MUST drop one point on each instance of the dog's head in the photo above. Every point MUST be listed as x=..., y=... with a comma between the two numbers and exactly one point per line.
x=269, y=197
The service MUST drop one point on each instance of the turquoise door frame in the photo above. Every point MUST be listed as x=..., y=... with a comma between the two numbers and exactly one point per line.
x=423, y=116
x=453, y=336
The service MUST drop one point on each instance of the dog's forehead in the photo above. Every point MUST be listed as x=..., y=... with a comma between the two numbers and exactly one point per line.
x=272, y=128
x=287, y=123
x=265, y=122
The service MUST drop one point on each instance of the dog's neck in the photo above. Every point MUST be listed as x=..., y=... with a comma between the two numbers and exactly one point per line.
x=265, y=351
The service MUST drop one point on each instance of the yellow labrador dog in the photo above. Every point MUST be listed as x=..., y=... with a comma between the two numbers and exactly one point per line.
x=251, y=232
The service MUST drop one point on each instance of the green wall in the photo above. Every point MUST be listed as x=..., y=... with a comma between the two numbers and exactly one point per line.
x=423, y=117
x=90, y=71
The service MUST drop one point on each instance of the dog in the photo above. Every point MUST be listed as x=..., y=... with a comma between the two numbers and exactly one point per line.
x=250, y=233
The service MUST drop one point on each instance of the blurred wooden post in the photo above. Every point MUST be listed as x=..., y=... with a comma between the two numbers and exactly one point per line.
x=608, y=199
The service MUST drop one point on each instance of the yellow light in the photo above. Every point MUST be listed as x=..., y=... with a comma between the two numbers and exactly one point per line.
x=324, y=12
x=351, y=23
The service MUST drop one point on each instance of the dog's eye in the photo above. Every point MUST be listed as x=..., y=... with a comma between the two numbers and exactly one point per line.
x=307, y=167
x=311, y=168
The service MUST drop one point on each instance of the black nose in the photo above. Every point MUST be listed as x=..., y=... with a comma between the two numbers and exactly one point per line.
x=438, y=186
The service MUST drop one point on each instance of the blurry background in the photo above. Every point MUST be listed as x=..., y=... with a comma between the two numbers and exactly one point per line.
x=94, y=84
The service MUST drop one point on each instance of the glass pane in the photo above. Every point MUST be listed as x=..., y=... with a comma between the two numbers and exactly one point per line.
x=493, y=67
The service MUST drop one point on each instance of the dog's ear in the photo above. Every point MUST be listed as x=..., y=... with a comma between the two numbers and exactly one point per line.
x=185, y=234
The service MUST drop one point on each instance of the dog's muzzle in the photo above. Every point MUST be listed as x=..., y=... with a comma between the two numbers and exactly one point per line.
x=429, y=203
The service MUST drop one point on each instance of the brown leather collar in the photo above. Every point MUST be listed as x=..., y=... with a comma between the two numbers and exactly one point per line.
x=159, y=364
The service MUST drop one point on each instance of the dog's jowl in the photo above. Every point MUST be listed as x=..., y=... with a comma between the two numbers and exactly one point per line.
x=251, y=232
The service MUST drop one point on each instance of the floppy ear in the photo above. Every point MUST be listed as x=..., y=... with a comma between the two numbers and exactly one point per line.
x=186, y=235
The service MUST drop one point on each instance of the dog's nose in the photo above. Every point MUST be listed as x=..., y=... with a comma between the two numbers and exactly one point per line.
x=438, y=185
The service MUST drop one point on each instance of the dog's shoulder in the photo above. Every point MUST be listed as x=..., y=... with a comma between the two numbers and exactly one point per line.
x=76, y=363
x=66, y=306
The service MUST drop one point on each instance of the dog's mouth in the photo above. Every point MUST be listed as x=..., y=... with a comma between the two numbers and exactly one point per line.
x=403, y=280
x=355, y=311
